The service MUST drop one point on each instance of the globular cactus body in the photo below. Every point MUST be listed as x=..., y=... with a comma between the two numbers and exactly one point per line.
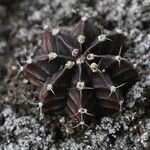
x=81, y=72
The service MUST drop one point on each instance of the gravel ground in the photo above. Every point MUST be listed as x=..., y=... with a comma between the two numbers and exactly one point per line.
x=20, y=126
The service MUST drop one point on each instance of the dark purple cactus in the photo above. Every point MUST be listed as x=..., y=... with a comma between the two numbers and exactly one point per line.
x=81, y=73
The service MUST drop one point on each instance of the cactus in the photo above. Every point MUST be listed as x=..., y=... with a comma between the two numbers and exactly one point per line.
x=82, y=73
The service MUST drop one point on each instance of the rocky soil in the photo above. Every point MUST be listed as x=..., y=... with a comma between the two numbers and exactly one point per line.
x=20, y=35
